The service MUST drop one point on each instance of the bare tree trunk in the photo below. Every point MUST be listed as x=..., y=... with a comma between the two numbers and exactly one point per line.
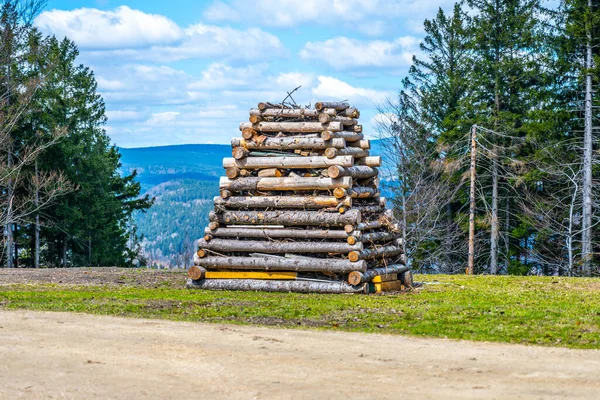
x=64, y=251
x=36, y=250
x=471, y=262
x=586, y=233
x=507, y=235
x=494, y=222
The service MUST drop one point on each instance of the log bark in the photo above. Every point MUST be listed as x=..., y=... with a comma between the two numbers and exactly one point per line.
x=369, y=254
x=406, y=278
x=360, y=172
x=346, y=135
x=373, y=237
x=346, y=121
x=272, y=247
x=266, y=233
x=357, y=128
x=364, y=144
x=285, y=202
x=357, y=277
x=286, y=218
x=357, y=152
x=371, y=161
x=296, y=286
x=301, y=264
x=337, y=105
x=349, y=112
x=289, y=143
x=362, y=192
x=287, y=183
x=294, y=127
x=288, y=162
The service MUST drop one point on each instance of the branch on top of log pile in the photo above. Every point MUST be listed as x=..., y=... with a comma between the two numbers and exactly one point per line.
x=285, y=112
x=357, y=277
x=265, y=246
x=297, y=286
x=295, y=127
x=289, y=143
x=267, y=263
x=287, y=183
x=301, y=202
x=266, y=233
x=287, y=218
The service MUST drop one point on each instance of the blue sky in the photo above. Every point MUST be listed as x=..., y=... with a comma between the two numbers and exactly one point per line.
x=174, y=72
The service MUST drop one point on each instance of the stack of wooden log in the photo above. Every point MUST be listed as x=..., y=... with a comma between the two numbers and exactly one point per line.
x=299, y=209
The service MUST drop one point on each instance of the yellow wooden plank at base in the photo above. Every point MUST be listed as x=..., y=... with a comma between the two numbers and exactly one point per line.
x=249, y=275
x=387, y=286
x=385, y=278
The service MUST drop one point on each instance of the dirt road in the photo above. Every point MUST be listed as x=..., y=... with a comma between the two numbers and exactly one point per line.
x=74, y=356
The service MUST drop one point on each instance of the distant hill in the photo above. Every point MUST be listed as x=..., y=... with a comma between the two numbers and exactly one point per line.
x=183, y=179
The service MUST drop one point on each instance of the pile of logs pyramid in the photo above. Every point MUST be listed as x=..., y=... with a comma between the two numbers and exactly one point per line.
x=300, y=209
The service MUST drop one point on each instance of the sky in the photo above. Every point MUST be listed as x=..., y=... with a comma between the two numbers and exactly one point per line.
x=188, y=71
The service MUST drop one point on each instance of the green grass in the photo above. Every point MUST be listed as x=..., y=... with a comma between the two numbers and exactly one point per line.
x=532, y=310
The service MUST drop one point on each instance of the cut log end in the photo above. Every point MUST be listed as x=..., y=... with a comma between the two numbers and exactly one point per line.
x=349, y=228
x=354, y=256
x=213, y=225
x=239, y=152
x=355, y=278
x=196, y=273
x=201, y=253
x=339, y=192
x=232, y=172
x=351, y=240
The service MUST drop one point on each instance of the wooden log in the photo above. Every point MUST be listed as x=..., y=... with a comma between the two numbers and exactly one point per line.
x=370, y=161
x=346, y=135
x=350, y=112
x=285, y=112
x=266, y=233
x=406, y=278
x=346, y=121
x=369, y=225
x=272, y=247
x=370, y=209
x=290, y=143
x=287, y=218
x=337, y=105
x=378, y=237
x=254, y=119
x=357, y=128
x=364, y=144
x=196, y=272
x=360, y=172
x=303, y=264
x=357, y=152
x=288, y=162
x=362, y=192
x=287, y=183
x=232, y=172
x=213, y=225
x=248, y=133
x=357, y=277
x=369, y=254
x=296, y=286
x=294, y=127
x=284, y=202
x=340, y=192
x=270, y=173
x=262, y=105
x=225, y=193
x=239, y=152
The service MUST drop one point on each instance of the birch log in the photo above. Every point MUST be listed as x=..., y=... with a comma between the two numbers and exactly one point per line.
x=265, y=246
x=371, y=161
x=266, y=233
x=300, y=264
x=296, y=286
x=288, y=162
x=294, y=127
x=289, y=143
x=294, y=202
x=287, y=183
x=286, y=218
x=357, y=152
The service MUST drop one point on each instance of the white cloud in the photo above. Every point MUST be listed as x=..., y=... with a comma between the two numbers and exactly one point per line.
x=161, y=118
x=131, y=34
x=345, y=53
x=124, y=115
x=122, y=28
x=330, y=88
x=287, y=13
